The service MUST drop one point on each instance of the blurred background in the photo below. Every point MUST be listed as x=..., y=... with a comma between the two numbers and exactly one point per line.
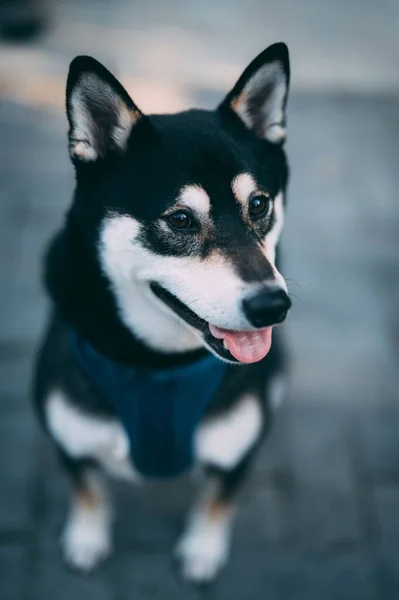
x=320, y=516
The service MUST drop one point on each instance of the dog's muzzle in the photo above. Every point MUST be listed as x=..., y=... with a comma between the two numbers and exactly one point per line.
x=266, y=307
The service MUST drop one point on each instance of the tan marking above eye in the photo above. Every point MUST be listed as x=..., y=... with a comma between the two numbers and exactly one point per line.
x=243, y=186
x=195, y=198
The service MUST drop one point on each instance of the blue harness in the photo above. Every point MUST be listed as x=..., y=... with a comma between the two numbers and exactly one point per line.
x=159, y=409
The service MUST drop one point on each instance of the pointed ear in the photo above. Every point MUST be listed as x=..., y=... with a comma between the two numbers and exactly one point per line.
x=260, y=95
x=100, y=112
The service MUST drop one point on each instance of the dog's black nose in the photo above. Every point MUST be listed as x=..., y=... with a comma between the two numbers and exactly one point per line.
x=267, y=306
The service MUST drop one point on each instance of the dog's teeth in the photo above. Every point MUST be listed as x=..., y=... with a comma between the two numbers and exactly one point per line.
x=225, y=345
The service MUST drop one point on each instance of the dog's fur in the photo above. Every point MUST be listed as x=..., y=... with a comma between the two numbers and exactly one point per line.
x=143, y=293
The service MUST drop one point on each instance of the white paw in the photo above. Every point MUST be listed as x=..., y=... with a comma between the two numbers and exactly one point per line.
x=202, y=552
x=85, y=545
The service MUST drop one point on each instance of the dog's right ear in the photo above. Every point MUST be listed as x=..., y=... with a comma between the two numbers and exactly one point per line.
x=100, y=112
x=259, y=97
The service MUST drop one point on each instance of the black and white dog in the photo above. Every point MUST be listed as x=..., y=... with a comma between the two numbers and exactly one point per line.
x=165, y=291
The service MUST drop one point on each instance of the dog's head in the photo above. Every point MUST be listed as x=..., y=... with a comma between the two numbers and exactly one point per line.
x=185, y=210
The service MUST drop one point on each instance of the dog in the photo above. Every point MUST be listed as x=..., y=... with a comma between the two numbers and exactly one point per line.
x=165, y=289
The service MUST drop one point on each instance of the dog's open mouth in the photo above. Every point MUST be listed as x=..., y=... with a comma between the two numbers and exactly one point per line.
x=235, y=346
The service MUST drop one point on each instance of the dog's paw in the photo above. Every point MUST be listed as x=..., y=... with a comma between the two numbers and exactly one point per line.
x=85, y=545
x=202, y=553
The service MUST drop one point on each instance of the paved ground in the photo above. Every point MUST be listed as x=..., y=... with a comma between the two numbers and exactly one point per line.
x=320, y=516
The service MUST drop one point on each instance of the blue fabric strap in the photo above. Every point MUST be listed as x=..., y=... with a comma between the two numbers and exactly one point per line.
x=159, y=409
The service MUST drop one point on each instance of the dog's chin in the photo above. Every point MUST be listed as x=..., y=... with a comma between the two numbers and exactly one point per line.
x=215, y=339
x=213, y=344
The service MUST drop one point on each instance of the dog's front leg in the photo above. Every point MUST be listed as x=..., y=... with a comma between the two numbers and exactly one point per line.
x=203, y=549
x=86, y=539
x=224, y=446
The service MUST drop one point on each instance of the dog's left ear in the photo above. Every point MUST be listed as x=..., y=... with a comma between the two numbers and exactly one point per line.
x=260, y=95
x=100, y=112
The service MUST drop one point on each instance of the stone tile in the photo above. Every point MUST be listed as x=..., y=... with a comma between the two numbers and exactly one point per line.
x=386, y=498
x=147, y=575
x=49, y=578
x=287, y=575
x=15, y=376
x=386, y=568
x=18, y=471
x=378, y=443
x=14, y=564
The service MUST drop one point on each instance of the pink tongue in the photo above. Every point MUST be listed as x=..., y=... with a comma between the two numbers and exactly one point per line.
x=245, y=346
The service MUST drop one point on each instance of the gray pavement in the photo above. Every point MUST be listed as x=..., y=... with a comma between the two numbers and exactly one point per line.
x=319, y=517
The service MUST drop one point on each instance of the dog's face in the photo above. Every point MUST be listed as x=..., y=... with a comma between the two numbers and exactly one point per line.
x=185, y=211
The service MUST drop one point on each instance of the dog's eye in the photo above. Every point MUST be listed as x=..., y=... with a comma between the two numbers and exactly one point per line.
x=259, y=206
x=180, y=220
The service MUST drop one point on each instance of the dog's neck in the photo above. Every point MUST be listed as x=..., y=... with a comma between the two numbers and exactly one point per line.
x=145, y=335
